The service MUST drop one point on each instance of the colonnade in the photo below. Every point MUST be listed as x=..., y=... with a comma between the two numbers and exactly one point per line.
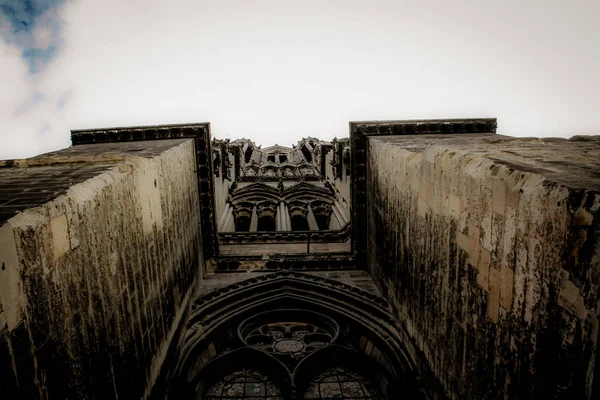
x=282, y=219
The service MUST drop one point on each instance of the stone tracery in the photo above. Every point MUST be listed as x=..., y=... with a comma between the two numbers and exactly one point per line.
x=290, y=339
x=244, y=384
x=296, y=180
x=341, y=383
x=310, y=337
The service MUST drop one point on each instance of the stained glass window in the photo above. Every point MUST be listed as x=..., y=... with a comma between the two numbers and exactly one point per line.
x=245, y=384
x=340, y=383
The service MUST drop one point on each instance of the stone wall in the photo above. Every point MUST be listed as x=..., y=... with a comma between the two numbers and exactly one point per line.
x=94, y=280
x=488, y=249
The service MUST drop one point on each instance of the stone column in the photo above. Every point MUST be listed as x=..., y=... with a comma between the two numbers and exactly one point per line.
x=225, y=217
x=278, y=218
x=310, y=218
x=254, y=220
x=337, y=214
x=286, y=221
x=229, y=223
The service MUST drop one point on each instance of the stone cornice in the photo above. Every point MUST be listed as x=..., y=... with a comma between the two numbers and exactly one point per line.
x=135, y=133
x=277, y=262
x=285, y=236
x=424, y=126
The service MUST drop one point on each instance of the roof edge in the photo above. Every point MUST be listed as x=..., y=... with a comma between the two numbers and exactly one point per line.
x=425, y=126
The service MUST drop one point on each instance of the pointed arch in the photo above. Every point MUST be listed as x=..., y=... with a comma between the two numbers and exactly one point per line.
x=306, y=190
x=367, y=327
x=254, y=192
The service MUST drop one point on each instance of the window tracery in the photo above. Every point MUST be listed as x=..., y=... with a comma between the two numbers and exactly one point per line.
x=294, y=339
x=341, y=383
x=291, y=354
x=244, y=384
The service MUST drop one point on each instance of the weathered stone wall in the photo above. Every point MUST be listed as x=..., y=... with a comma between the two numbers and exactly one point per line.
x=94, y=281
x=488, y=249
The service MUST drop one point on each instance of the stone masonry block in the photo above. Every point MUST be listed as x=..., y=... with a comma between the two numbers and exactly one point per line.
x=11, y=294
x=423, y=208
x=454, y=206
x=470, y=243
x=60, y=235
x=430, y=153
x=499, y=196
x=506, y=287
x=493, y=306
x=485, y=219
x=462, y=241
x=427, y=192
x=474, y=233
x=483, y=269
x=428, y=171
x=570, y=298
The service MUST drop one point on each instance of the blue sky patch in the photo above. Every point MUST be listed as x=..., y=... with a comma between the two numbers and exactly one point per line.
x=24, y=19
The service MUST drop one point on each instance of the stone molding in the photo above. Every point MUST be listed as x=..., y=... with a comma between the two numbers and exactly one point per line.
x=297, y=262
x=285, y=236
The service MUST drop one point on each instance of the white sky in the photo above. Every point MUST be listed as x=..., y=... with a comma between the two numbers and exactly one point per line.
x=276, y=71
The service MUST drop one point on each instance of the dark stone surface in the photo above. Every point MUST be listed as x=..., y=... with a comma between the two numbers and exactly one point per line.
x=23, y=188
x=94, y=318
x=539, y=343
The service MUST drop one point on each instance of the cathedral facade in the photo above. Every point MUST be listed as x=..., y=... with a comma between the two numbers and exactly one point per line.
x=422, y=259
x=294, y=199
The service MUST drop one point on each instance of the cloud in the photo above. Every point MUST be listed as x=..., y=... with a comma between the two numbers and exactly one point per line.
x=276, y=71
x=33, y=116
x=34, y=26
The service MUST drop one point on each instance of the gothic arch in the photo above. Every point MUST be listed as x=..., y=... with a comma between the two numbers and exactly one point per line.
x=255, y=191
x=304, y=189
x=298, y=324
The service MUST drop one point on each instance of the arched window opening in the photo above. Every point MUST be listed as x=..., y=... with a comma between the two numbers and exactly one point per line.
x=248, y=155
x=307, y=154
x=299, y=223
x=242, y=224
x=322, y=221
x=244, y=384
x=286, y=351
x=266, y=223
x=341, y=383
